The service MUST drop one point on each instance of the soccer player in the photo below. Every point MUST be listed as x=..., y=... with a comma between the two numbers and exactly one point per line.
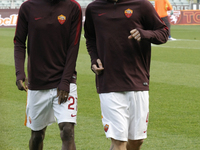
x=118, y=35
x=52, y=29
x=162, y=6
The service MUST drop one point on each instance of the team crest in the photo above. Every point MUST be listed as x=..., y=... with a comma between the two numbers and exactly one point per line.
x=128, y=12
x=106, y=127
x=29, y=119
x=61, y=19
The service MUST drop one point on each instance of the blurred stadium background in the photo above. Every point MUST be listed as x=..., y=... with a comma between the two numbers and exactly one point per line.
x=177, y=4
x=174, y=95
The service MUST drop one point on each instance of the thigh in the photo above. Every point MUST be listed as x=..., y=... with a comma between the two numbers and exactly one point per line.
x=116, y=144
x=114, y=109
x=134, y=144
x=139, y=114
x=66, y=112
x=39, y=112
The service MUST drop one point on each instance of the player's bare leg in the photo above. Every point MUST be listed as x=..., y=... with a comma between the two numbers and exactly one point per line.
x=118, y=145
x=134, y=144
x=36, y=141
x=67, y=136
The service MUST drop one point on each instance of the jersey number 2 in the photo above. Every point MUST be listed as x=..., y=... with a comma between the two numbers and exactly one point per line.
x=70, y=106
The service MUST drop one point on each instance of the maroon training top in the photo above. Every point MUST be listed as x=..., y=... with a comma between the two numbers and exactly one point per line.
x=53, y=28
x=126, y=62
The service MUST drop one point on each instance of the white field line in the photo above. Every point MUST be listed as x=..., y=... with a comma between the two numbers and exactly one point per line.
x=187, y=40
x=176, y=47
x=82, y=35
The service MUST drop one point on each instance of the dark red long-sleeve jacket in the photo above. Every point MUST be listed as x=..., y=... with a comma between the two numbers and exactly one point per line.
x=52, y=29
x=126, y=62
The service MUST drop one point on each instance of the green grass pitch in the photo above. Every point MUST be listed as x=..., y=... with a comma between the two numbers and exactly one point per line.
x=174, y=122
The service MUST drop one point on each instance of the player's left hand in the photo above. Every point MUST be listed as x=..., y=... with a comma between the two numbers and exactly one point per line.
x=62, y=96
x=98, y=68
x=135, y=34
x=23, y=86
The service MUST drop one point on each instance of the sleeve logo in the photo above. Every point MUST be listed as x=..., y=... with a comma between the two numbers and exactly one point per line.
x=128, y=12
x=61, y=19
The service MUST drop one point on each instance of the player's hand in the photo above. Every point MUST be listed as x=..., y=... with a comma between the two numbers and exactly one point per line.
x=22, y=86
x=98, y=69
x=62, y=96
x=135, y=34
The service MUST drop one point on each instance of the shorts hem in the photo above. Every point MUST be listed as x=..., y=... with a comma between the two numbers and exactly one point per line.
x=117, y=138
x=69, y=121
x=139, y=138
x=39, y=128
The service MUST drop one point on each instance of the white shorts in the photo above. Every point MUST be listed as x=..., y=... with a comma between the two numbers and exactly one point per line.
x=42, y=108
x=125, y=114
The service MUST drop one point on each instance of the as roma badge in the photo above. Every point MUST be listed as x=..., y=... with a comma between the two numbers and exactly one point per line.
x=106, y=127
x=61, y=19
x=128, y=12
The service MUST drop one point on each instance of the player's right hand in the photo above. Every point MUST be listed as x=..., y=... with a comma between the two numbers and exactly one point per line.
x=98, y=69
x=62, y=96
x=135, y=34
x=22, y=86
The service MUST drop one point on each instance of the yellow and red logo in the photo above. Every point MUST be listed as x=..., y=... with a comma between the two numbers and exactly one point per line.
x=106, y=127
x=128, y=12
x=29, y=119
x=61, y=19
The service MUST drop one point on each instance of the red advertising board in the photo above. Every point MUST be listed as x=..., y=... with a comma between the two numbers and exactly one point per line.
x=8, y=17
x=185, y=17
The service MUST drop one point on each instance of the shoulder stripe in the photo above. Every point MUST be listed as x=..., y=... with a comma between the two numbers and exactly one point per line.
x=79, y=23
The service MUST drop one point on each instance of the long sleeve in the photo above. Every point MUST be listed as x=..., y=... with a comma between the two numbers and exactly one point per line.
x=155, y=30
x=107, y=28
x=19, y=44
x=72, y=51
x=53, y=30
x=90, y=37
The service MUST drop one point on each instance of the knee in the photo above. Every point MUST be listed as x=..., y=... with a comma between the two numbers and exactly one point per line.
x=118, y=144
x=134, y=144
x=37, y=137
x=67, y=132
x=139, y=142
